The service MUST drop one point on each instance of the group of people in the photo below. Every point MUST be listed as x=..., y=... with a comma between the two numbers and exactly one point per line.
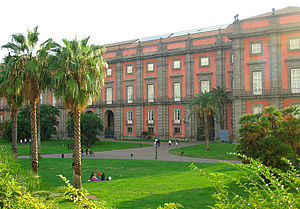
x=87, y=152
x=176, y=143
x=25, y=141
x=99, y=177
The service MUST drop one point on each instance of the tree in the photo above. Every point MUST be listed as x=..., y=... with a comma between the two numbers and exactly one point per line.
x=49, y=123
x=11, y=89
x=271, y=135
x=91, y=126
x=80, y=77
x=203, y=105
x=222, y=98
x=31, y=71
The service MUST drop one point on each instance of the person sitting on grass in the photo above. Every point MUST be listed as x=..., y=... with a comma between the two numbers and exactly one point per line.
x=93, y=177
x=103, y=177
x=99, y=176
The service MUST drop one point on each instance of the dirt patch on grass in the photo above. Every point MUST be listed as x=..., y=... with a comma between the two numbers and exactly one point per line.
x=92, y=197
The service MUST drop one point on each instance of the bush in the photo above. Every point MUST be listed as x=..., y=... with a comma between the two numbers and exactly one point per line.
x=270, y=136
x=264, y=186
x=14, y=192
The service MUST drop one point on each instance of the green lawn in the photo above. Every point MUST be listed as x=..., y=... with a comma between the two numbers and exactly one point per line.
x=61, y=146
x=136, y=183
x=218, y=150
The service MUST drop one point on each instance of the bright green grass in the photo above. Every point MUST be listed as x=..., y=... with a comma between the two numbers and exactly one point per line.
x=137, y=183
x=217, y=150
x=61, y=146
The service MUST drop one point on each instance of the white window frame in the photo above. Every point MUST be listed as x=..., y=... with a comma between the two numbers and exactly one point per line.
x=150, y=69
x=205, y=86
x=129, y=69
x=257, y=82
x=90, y=102
x=54, y=102
x=204, y=61
x=298, y=106
x=176, y=116
x=150, y=92
x=256, y=48
x=109, y=72
x=1, y=103
x=177, y=91
x=1, y=118
x=41, y=98
x=109, y=95
x=129, y=94
x=129, y=116
x=176, y=64
x=295, y=80
x=150, y=116
x=257, y=108
x=294, y=43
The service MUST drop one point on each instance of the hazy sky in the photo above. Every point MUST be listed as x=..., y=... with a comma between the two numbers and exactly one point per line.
x=120, y=20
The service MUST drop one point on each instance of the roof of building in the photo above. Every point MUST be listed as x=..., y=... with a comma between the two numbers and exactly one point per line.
x=276, y=12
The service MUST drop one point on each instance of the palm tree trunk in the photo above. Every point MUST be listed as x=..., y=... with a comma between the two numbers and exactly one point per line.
x=77, y=151
x=14, y=131
x=38, y=128
x=206, y=132
x=221, y=113
x=34, y=145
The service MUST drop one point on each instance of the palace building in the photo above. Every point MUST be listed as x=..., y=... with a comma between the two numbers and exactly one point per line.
x=150, y=81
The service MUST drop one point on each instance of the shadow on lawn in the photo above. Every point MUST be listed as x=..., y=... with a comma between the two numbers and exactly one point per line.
x=192, y=198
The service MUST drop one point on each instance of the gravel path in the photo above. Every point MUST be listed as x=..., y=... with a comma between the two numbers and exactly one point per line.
x=144, y=153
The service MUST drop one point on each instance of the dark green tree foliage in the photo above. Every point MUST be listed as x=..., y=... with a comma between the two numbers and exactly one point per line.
x=271, y=135
x=49, y=123
x=91, y=126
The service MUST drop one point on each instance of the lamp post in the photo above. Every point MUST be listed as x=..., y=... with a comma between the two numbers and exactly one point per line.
x=156, y=145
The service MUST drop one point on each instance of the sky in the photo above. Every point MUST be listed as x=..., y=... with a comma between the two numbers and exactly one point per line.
x=110, y=21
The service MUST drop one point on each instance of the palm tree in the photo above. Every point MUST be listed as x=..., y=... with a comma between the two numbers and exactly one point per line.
x=11, y=89
x=80, y=76
x=222, y=98
x=32, y=73
x=204, y=106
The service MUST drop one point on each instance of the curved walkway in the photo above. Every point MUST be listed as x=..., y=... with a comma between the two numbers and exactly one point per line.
x=144, y=153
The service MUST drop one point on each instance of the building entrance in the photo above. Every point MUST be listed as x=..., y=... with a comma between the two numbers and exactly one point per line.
x=200, y=128
x=109, y=124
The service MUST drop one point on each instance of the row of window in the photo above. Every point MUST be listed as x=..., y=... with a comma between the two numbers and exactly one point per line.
x=256, y=47
x=258, y=84
x=258, y=108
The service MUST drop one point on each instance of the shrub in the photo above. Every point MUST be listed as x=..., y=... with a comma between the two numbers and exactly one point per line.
x=271, y=135
x=13, y=193
x=264, y=186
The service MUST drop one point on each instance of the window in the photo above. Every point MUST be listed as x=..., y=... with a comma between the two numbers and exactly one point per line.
x=258, y=108
x=294, y=44
x=150, y=66
x=176, y=64
x=1, y=119
x=205, y=86
x=231, y=58
x=257, y=83
x=129, y=117
x=41, y=98
x=150, y=93
x=150, y=116
x=256, y=48
x=204, y=61
x=151, y=130
x=298, y=106
x=176, y=116
x=53, y=99
x=176, y=130
x=109, y=72
x=129, y=69
x=108, y=95
x=177, y=91
x=295, y=80
x=129, y=94
x=1, y=103
x=129, y=130
x=90, y=102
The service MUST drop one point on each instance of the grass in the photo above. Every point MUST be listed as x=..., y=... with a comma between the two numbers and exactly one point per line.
x=136, y=183
x=61, y=146
x=218, y=150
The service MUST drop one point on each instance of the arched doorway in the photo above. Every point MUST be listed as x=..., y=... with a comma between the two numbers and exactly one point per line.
x=109, y=124
x=200, y=128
